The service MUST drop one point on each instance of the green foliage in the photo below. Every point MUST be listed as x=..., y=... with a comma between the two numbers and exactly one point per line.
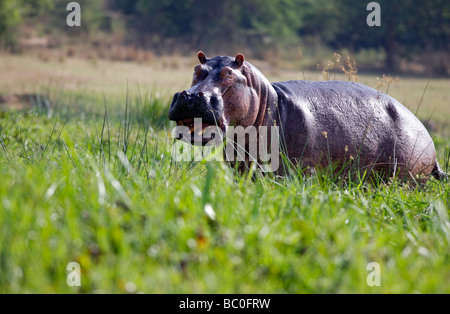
x=408, y=28
x=47, y=16
x=14, y=12
x=10, y=17
x=213, y=24
x=93, y=17
x=99, y=188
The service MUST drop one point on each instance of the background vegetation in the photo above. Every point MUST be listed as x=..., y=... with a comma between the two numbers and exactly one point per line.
x=86, y=173
x=415, y=32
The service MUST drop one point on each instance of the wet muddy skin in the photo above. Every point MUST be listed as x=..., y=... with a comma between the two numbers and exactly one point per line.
x=321, y=123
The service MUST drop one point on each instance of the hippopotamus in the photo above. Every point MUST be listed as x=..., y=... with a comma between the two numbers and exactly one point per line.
x=344, y=125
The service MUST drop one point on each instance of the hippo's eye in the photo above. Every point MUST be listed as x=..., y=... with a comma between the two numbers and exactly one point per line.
x=226, y=72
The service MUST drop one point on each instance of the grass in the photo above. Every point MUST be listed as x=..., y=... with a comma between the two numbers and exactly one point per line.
x=95, y=184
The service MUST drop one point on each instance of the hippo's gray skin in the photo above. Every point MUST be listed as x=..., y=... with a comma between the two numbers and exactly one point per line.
x=345, y=123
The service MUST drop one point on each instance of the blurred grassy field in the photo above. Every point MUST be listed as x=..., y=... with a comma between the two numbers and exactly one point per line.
x=94, y=183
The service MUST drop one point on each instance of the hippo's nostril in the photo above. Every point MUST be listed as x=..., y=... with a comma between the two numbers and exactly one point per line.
x=184, y=98
x=200, y=94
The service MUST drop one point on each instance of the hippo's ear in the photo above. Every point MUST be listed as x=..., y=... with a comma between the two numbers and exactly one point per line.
x=239, y=60
x=202, y=57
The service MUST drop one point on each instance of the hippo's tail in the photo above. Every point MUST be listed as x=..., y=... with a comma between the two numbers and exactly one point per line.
x=438, y=173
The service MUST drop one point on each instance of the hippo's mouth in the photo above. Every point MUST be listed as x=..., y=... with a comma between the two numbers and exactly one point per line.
x=197, y=131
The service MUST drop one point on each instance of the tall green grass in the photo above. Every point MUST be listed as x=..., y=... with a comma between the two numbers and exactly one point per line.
x=95, y=184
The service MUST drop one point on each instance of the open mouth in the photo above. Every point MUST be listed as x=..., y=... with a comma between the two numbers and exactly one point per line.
x=197, y=131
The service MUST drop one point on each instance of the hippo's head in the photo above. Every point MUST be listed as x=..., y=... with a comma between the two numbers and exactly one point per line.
x=225, y=91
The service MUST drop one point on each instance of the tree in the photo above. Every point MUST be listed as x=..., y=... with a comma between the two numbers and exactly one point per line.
x=407, y=28
x=10, y=18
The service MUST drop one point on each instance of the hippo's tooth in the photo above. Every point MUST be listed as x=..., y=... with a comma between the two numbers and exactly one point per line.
x=202, y=131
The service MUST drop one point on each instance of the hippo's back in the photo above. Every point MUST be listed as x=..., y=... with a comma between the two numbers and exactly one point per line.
x=342, y=120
